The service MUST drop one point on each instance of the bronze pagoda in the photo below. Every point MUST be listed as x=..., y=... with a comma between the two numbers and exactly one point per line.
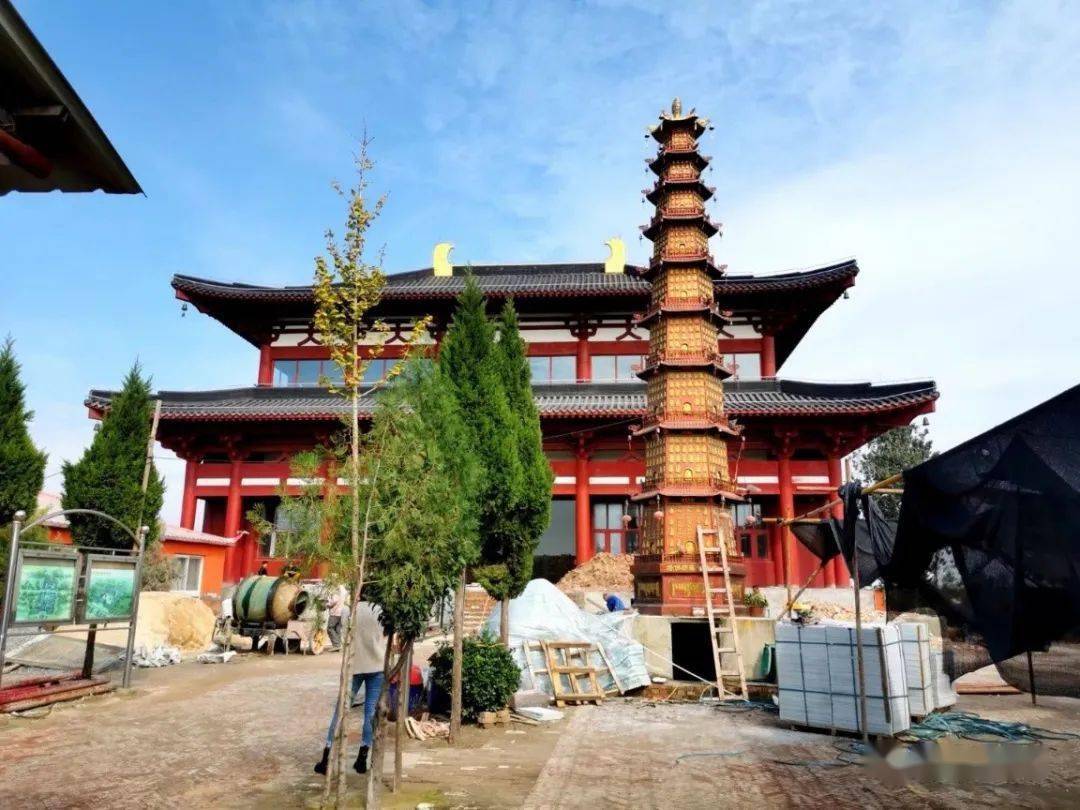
x=686, y=432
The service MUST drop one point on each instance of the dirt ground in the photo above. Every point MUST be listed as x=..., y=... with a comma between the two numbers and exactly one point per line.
x=245, y=734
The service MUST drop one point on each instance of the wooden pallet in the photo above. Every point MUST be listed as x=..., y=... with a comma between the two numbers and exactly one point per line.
x=569, y=660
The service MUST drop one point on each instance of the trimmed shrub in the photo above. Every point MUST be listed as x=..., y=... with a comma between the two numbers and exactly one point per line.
x=488, y=673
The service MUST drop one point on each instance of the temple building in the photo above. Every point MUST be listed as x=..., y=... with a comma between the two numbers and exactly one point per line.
x=704, y=348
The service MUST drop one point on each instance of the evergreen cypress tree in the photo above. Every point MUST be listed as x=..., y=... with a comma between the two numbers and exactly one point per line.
x=108, y=477
x=900, y=449
x=472, y=367
x=22, y=465
x=533, y=507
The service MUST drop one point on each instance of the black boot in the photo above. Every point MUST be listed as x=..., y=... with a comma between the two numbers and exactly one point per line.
x=360, y=766
x=320, y=766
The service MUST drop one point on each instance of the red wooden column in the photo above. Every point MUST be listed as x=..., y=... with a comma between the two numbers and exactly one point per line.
x=583, y=366
x=583, y=542
x=840, y=575
x=233, y=514
x=776, y=540
x=768, y=356
x=187, y=507
x=266, y=366
x=787, y=511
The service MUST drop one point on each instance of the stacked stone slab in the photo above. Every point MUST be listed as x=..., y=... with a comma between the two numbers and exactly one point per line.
x=686, y=432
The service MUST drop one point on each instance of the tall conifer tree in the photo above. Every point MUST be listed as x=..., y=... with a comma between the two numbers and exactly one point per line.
x=22, y=465
x=474, y=368
x=532, y=507
x=108, y=477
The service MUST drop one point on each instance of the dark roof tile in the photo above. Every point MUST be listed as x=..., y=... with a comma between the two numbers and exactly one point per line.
x=581, y=400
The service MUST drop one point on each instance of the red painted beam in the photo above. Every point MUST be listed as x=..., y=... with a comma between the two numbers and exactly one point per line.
x=25, y=156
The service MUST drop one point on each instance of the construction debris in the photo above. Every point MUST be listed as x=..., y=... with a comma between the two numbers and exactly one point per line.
x=159, y=656
x=540, y=714
x=426, y=729
x=544, y=613
x=216, y=657
x=843, y=613
x=609, y=572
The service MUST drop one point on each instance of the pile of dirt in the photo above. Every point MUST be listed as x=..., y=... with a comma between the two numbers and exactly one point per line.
x=174, y=620
x=603, y=572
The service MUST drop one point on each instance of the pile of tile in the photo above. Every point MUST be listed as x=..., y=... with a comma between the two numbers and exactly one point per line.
x=818, y=676
x=818, y=673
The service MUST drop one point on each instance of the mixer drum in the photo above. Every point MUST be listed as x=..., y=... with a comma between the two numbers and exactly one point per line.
x=268, y=600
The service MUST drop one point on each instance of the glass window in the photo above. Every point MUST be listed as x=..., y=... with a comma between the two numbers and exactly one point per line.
x=284, y=372
x=558, y=538
x=629, y=365
x=747, y=366
x=741, y=511
x=307, y=372
x=194, y=573
x=563, y=368
x=603, y=367
x=540, y=369
x=332, y=372
x=373, y=371
x=187, y=573
x=608, y=526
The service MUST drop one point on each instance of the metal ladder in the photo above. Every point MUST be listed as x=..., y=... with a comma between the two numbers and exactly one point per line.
x=722, y=620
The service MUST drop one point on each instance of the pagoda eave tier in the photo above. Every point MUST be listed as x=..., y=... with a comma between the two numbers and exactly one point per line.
x=653, y=229
x=670, y=122
x=655, y=194
x=728, y=492
x=666, y=156
x=713, y=365
x=701, y=307
x=678, y=423
x=657, y=263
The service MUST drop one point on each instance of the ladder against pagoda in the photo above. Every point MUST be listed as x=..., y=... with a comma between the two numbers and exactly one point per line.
x=687, y=484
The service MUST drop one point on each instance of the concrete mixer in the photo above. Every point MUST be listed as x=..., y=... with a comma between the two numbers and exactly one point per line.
x=272, y=609
x=268, y=602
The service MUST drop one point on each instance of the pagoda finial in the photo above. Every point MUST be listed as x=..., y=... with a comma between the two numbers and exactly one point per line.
x=676, y=107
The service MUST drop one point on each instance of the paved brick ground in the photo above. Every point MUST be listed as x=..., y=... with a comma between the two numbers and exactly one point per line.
x=626, y=755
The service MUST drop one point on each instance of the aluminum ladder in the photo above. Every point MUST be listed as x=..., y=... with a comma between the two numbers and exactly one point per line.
x=722, y=619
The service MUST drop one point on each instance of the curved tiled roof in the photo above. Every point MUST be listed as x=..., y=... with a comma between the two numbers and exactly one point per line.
x=521, y=280
x=569, y=400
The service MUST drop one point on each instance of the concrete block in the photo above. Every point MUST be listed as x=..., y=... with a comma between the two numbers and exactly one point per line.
x=654, y=633
x=525, y=698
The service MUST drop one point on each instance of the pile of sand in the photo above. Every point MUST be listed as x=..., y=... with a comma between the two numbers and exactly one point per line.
x=175, y=620
x=843, y=613
x=603, y=572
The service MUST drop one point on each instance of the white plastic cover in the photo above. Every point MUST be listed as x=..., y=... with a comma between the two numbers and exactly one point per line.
x=543, y=612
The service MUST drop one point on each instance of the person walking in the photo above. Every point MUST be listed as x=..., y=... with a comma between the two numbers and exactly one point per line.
x=368, y=651
x=337, y=605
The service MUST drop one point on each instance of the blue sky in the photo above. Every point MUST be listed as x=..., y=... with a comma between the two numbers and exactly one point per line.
x=936, y=142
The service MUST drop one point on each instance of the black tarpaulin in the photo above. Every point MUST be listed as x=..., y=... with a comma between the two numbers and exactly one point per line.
x=819, y=536
x=989, y=531
x=865, y=528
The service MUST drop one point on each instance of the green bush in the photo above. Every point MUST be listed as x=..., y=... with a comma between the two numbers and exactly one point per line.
x=489, y=675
